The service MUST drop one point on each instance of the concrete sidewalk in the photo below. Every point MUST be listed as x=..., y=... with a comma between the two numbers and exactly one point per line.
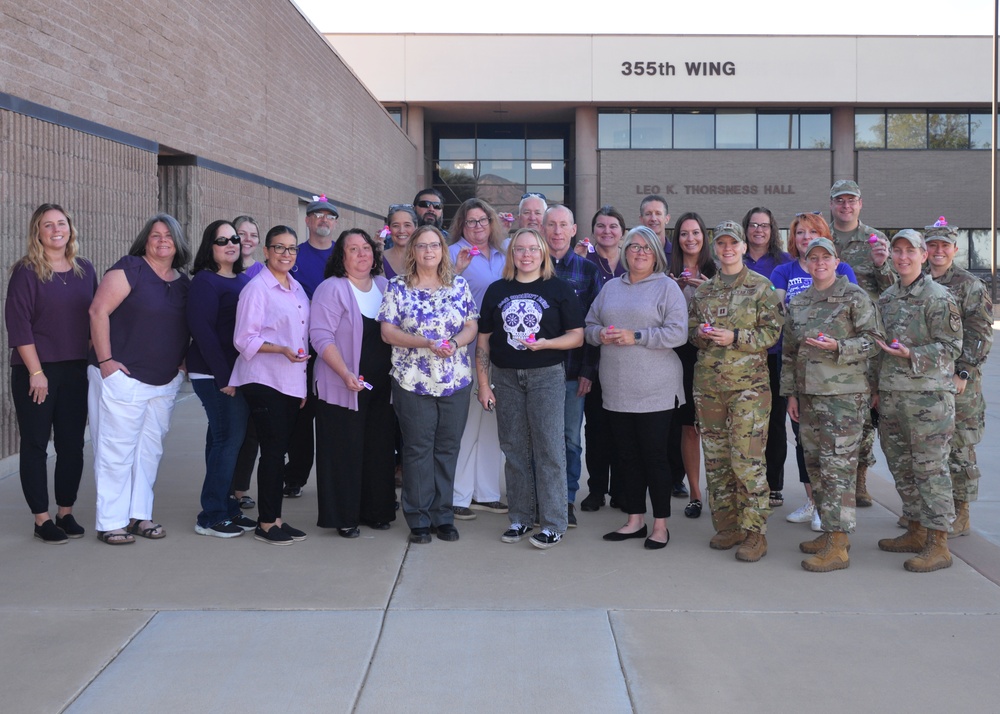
x=375, y=625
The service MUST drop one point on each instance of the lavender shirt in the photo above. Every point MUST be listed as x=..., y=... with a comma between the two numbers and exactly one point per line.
x=52, y=316
x=268, y=312
x=482, y=272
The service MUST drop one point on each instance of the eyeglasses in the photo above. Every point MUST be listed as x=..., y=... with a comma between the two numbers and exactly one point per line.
x=322, y=216
x=852, y=201
x=533, y=249
x=533, y=194
x=762, y=226
x=427, y=246
x=235, y=240
x=473, y=222
x=636, y=248
x=436, y=205
x=400, y=207
x=282, y=249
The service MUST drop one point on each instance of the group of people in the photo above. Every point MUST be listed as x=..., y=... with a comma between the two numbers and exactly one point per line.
x=361, y=355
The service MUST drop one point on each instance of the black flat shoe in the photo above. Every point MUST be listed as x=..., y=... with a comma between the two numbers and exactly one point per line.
x=615, y=536
x=69, y=526
x=50, y=534
x=420, y=535
x=377, y=525
x=651, y=544
x=349, y=532
x=693, y=509
x=447, y=531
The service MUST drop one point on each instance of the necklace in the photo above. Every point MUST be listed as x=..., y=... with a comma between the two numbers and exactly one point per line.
x=605, y=265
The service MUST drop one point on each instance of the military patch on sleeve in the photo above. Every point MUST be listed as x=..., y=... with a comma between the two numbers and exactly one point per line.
x=722, y=312
x=954, y=319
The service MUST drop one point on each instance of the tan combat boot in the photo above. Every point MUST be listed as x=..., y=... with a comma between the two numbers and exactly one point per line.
x=934, y=556
x=910, y=542
x=961, y=526
x=861, y=497
x=812, y=547
x=754, y=547
x=730, y=538
x=832, y=557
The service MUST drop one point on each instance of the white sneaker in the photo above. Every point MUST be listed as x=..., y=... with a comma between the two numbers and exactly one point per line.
x=803, y=515
x=817, y=525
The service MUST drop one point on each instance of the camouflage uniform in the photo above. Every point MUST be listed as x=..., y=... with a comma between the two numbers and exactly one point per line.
x=855, y=250
x=732, y=395
x=917, y=397
x=976, y=308
x=832, y=389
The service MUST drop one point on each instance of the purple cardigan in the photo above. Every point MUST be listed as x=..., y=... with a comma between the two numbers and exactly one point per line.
x=336, y=319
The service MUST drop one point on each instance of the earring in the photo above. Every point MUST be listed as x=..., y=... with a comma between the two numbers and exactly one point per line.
x=295, y=269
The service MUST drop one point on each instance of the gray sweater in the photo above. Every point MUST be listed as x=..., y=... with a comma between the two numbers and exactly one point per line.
x=647, y=376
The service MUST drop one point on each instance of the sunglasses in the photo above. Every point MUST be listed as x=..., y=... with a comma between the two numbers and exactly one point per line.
x=436, y=205
x=400, y=207
x=810, y=213
x=235, y=240
x=533, y=195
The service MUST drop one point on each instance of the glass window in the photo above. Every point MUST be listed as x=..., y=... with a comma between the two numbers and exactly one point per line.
x=397, y=115
x=948, y=131
x=546, y=171
x=979, y=131
x=778, y=131
x=450, y=149
x=869, y=130
x=694, y=131
x=979, y=250
x=451, y=168
x=651, y=131
x=612, y=131
x=735, y=130
x=500, y=148
x=906, y=130
x=501, y=172
x=546, y=149
x=815, y=131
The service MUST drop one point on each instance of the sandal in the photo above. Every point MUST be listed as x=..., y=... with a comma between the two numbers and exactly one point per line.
x=776, y=500
x=153, y=532
x=115, y=537
x=246, y=503
x=693, y=509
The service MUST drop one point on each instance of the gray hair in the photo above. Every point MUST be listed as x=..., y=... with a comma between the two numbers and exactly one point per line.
x=652, y=240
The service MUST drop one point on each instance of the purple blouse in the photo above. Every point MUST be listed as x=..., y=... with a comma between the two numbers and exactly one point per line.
x=52, y=316
x=211, y=315
x=603, y=269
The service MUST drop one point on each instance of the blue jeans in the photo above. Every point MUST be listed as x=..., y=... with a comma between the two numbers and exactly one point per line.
x=573, y=417
x=227, y=422
x=530, y=416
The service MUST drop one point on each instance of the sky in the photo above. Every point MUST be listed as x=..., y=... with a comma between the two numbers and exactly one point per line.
x=722, y=17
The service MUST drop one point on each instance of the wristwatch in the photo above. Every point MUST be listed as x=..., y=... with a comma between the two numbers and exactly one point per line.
x=963, y=374
x=637, y=335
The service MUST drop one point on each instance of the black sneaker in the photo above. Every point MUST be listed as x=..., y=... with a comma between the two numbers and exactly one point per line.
x=447, y=531
x=420, y=535
x=247, y=524
x=292, y=492
x=571, y=516
x=69, y=526
x=592, y=502
x=294, y=533
x=225, y=529
x=515, y=533
x=50, y=534
x=545, y=539
x=273, y=536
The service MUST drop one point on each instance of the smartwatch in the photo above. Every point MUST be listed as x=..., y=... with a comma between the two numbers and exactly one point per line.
x=963, y=374
x=637, y=335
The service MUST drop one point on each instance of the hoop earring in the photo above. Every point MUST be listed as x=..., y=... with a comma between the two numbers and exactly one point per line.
x=295, y=269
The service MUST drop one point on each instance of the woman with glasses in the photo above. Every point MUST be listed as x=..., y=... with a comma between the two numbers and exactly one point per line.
x=638, y=320
x=211, y=315
x=354, y=461
x=402, y=221
x=528, y=319
x=48, y=294
x=734, y=317
x=272, y=337
x=138, y=324
x=249, y=233
x=606, y=229
x=763, y=255
x=790, y=279
x=478, y=256
x=429, y=317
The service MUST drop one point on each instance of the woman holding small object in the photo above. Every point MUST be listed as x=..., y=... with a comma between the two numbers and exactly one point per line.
x=429, y=317
x=401, y=222
x=271, y=334
x=48, y=295
x=651, y=317
x=354, y=461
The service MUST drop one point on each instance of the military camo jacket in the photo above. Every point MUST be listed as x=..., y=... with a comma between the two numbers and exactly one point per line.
x=856, y=251
x=843, y=312
x=977, y=318
x=924, y=317
x=748, y=306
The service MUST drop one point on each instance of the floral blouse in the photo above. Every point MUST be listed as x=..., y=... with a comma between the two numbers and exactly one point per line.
x=436, y=314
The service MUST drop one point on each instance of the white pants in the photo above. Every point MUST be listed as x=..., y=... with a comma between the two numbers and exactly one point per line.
x=128, y=420
x=480, y=461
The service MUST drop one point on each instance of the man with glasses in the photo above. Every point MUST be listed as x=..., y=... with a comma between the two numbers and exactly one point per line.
x=531, y=211
x=429, y=205
x=655, y=215
x=581, y=363
x=321, y=221
x=871, y=265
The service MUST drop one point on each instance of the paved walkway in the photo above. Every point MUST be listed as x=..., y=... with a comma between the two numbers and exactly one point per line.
x=193, y=624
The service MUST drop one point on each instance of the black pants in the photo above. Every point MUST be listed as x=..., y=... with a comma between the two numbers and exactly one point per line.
x=602, y=465
x=302, y=447
x=63, y=414
x=273, y=415
x=642, y=451
x=777, y=439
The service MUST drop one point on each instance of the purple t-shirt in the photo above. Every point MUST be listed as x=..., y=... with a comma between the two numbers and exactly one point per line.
x=252, y=271
x=791, y=278
x=52, y=316
x=211, y=317
x=149, y=332
x=310, y=266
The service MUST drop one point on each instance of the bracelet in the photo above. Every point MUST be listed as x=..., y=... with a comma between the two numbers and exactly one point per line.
x=35, y=374
x=105, y=360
